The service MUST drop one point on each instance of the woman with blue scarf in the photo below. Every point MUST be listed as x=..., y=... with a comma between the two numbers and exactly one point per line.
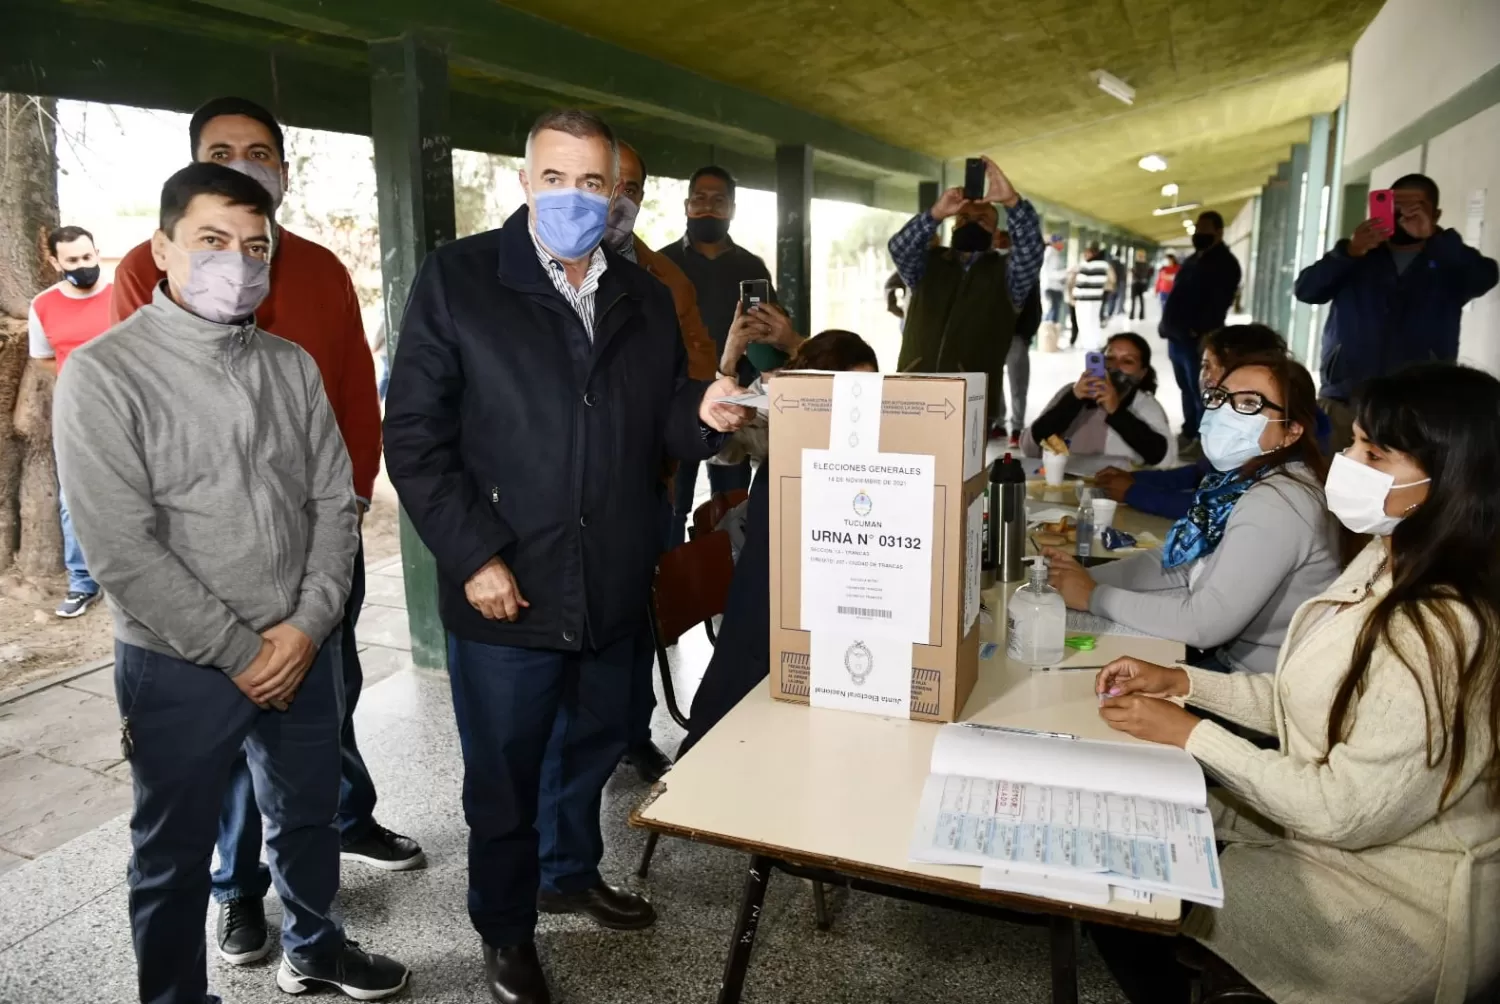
x=1255, y=543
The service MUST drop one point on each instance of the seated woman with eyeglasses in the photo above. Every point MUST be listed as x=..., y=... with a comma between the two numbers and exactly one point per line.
x=1362, y=857
x=1169, y=491
x=1254, y=545
x=1117, y=417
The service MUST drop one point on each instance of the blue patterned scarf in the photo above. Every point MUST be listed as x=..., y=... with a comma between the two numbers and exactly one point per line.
x=1197, y=533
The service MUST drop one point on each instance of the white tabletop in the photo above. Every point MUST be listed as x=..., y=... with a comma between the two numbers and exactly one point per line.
x=840, y=790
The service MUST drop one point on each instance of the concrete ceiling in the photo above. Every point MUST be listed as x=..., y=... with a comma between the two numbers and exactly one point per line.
x=1223, y=87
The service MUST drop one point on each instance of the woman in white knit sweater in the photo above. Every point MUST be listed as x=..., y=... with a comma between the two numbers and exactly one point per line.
x=1363, y=857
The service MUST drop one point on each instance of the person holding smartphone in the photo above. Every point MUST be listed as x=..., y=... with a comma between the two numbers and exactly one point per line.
x=1396, y=290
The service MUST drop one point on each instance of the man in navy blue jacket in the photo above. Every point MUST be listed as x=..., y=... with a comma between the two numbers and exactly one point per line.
x=1396, y=297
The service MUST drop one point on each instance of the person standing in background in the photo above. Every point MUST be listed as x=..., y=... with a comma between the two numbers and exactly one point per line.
x=1140, y=281
x=1201, y=297
x=643, y=754
x=1054, y=283
x=1117, y=291
x=1093, y=281
x=716, y=265
x=62, y=317
x=311, y=303
x=1165, y=277
x=1396, y=297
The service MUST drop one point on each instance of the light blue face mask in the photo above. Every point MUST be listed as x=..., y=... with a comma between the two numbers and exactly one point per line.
x=570, y=223
x=1231, y=440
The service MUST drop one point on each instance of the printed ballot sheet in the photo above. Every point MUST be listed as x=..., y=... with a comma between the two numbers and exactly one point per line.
x=996, y=812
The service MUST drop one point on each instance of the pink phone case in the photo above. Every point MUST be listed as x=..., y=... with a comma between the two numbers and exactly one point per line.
x=1383, y=208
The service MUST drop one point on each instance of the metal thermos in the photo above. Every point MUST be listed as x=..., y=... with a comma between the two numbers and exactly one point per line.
x=1007, y=541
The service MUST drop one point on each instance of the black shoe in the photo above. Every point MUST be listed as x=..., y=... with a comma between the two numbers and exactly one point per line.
x=515, y=976
x=75, y=604
x=649, y=762
x=242, y=931
x=384, y=849
x=355, y=972
x=609, y=906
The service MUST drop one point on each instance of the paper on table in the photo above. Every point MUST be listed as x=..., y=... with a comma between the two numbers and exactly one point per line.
x=760, y=401
x=1069, y=887
x=1083, y=622
x=1049, y=515
x=1145, y=769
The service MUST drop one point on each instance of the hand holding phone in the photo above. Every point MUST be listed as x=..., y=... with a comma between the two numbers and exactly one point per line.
x=753, y=293
x=1093, y=365
x=974, y=179
x=1383, y=209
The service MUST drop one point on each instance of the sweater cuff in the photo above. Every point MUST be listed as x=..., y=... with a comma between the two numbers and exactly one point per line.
x=242, y=648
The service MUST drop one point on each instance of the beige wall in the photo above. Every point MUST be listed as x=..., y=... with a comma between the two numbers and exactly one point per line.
x=1464, y=161
x=1414, y=55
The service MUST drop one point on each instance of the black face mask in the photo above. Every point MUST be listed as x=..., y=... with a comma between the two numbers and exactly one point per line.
x=1400, y=238
x=1204, y=241
x=971, y=237
x=83, y=278
x=707, y=229
x=1124, y=382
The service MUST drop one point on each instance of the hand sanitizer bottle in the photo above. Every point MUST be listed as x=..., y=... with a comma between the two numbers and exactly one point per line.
x=1036, y=621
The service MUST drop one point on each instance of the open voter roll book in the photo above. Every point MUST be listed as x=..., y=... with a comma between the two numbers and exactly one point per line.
x=1079, y=820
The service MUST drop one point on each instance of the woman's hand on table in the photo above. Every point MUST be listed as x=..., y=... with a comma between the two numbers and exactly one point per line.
x=1149, y=718
x=1070, y=578
x=1126, y=676
x=1114, y=482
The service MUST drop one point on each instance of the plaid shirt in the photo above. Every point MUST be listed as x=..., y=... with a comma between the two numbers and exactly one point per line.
x=909, y=250
x=582, y=298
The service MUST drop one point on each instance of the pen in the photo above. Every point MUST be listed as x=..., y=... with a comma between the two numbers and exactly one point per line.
x=1018, y=732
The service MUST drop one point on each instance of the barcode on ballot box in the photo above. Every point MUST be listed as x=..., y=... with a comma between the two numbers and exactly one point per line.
x=866, y=612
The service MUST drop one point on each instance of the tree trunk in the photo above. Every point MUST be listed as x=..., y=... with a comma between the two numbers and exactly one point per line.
x=30, y=534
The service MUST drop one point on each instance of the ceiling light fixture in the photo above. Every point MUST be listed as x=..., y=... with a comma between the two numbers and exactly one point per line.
x=1169, y=210
x=1114, y=86
x=1170, y=189
x=1152, y=162
x=1189, y=225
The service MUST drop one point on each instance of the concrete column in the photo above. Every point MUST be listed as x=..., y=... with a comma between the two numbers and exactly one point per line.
x=794, y=182
x=1291, y=214
x=414, y=165
x=1308, y=248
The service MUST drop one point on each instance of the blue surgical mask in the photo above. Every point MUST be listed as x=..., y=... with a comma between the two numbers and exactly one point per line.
x=570, y=223
x=1231, y=440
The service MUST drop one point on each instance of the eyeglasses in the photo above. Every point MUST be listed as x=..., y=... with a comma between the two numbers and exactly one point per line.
x=1245, y=402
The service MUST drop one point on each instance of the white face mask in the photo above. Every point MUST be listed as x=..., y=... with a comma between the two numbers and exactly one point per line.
x=1356, y=494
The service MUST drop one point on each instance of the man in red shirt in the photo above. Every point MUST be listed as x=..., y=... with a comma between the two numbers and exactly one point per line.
x=312, y=303
x=62, y=318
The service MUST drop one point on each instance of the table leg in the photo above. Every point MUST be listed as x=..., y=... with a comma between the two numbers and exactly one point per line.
x=743, y=941
x=1064, y=961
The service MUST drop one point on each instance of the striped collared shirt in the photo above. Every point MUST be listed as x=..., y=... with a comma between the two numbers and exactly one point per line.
x=582, y=298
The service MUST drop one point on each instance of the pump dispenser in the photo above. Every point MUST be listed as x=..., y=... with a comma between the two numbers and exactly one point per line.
x=1037, y=620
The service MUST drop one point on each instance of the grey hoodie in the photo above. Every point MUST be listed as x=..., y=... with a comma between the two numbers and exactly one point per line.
x=208, y=484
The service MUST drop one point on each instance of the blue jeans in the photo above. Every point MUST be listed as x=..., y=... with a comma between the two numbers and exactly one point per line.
x=240, y=873
x=1186, y=359
x=541, y=732
x=721, y=478
x=1054, y=306
x=188, y=724
x=79, y=580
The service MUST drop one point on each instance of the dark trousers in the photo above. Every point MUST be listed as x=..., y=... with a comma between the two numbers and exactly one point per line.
x=541, y=732
x=1054, y=306
x=1186, y=359
x=643, y=672
x=1150, y=970
x=721, y=478
x=1138, y=302
x=188, y=725
x=240, y=873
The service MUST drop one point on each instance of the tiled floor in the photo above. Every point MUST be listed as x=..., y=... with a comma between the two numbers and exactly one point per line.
x=64, y=934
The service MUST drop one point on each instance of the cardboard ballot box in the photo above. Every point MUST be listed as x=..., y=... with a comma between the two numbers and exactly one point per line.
x=877, y=512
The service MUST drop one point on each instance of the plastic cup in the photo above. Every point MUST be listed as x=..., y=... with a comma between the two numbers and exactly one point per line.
x=1054, y=467
x=1104, y=513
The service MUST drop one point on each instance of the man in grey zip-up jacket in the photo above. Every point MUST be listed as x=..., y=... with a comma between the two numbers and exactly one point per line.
x=212, y=494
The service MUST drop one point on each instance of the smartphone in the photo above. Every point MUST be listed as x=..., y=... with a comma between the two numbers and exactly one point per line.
x=754, y=292
x=1383, y=208
x=974, y=176
x=1093, y=364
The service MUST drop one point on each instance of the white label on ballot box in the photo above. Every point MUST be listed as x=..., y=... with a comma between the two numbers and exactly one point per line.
x=867, y=674
x=867, y=544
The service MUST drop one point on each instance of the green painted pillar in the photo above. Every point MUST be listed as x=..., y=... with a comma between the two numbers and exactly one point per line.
x=794, y=183
x=1312, y=225
x=927, y=195
x=1292, y=213
x=414, y=168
